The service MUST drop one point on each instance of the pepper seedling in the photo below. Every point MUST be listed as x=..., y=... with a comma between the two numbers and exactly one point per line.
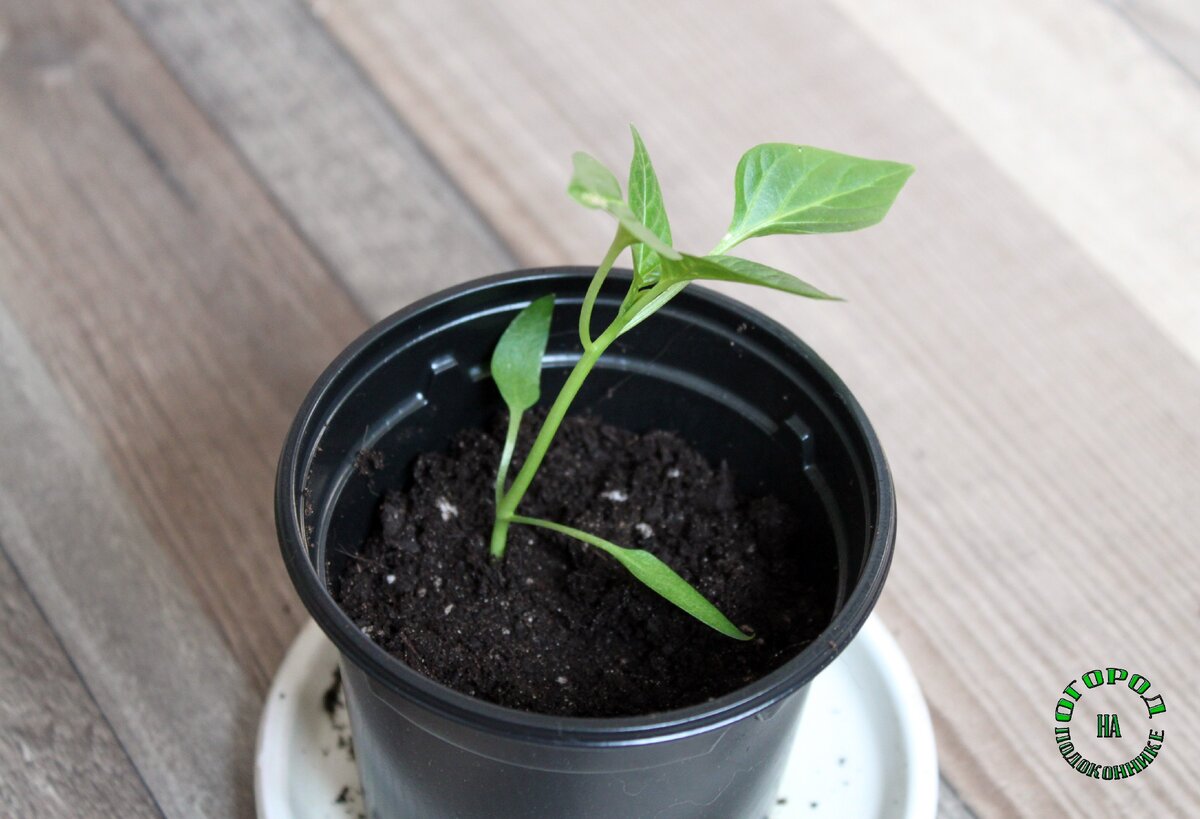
x=778, y=188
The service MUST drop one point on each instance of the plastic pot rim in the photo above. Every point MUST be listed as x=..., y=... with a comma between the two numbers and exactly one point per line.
x=581, y=732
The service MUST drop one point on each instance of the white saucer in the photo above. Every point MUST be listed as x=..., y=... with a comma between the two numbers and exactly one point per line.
x=865, y=746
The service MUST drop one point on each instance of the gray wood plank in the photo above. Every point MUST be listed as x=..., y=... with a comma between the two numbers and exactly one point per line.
x=1085, y=112
x=951, y=804
x=161, y=321
x=335, y=156
x=58, y=758
x=149, y=653
x=180, y=314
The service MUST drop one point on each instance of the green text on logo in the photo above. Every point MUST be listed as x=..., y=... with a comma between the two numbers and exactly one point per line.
x=1108, y=725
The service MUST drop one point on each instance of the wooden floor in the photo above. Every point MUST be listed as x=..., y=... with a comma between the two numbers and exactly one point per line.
x=202, y=202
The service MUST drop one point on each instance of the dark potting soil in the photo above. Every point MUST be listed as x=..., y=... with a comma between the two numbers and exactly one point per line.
x=558, y=627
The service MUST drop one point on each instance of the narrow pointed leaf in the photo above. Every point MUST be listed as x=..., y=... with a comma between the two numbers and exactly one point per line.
x=517, y=359
x=655, y=574
x=734, y=269
x=594, y=186
x=663, y=580
x=646, y=201
x=780, y=188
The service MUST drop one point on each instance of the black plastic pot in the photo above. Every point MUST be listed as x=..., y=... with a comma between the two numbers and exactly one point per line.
x=737, y=386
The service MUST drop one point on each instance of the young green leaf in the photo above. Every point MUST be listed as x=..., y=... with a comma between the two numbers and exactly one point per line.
x=594, y=186
x=646, y=201
x=658, y=576
x=734, y=269
x=517, y=359
x=676, y=275
x=781, y=188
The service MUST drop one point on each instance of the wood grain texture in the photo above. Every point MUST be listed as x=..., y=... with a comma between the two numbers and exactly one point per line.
x=57, y=755
x=1088, y=118
x=1041, y=427
x=951, y=805
x=356, y=183
x=166, y=682
x=165, y=321
x=179, y=313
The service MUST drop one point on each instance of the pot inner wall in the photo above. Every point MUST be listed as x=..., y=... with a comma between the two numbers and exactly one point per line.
x=720, y=380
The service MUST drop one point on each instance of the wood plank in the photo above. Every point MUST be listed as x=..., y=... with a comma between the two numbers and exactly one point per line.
x=356, y=183
x=1085, y=115
x=180, y=315
x=165, y=321
x=56, y=752
x=1171, y=25
x=144, y=646
x=951, y=804
x=1037, y=421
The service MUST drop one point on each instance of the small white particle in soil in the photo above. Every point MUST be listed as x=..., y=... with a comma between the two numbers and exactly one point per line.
x=447, y=509
x=529, y=581
x=615, y=495
x=644, y=530
x=561, y=680
x=437, y=582
x=673, y=473
x=448, y=609
x=421, y=592
x=506, y=631
x=391, y=578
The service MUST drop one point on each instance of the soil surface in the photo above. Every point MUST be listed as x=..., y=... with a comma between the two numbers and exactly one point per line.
x=558, y=627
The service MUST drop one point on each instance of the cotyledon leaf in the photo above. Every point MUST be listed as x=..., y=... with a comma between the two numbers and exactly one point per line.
x=517, y=359
x=655, y=574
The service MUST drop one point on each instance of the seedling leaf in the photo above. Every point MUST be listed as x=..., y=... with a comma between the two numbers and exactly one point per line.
x=677, y=274
x=646, y=201
x=780, y=188
x=517, y=359
x=658, y=576
x=594, y=186
x=733, y=269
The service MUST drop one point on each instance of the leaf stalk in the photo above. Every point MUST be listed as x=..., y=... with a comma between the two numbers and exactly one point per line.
x=621, y=241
